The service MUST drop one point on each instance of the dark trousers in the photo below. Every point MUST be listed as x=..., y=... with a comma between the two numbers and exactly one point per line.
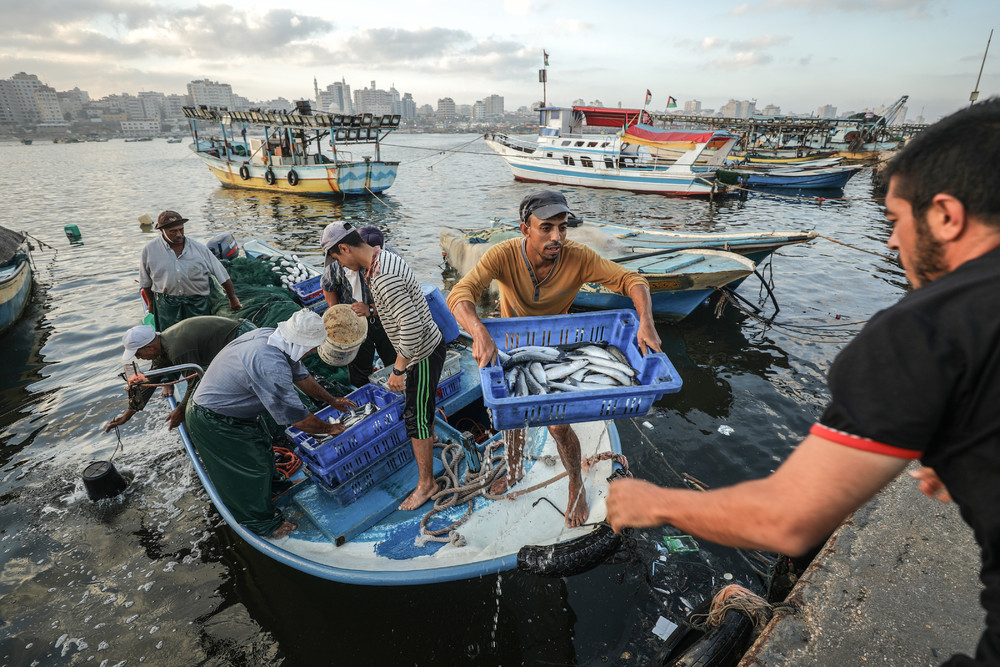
x=377, y=340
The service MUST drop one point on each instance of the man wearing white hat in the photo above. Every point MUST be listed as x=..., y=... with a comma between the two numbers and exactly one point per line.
x=195, y=340
x=254, y=374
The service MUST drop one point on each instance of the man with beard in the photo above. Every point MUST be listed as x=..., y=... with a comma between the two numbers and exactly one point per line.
x=174, y=274
x=921, y=380
x=540, y=274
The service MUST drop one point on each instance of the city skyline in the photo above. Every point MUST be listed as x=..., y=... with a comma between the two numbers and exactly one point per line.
x=797, y=54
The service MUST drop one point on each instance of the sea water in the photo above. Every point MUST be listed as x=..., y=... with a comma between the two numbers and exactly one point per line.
x=155, y=577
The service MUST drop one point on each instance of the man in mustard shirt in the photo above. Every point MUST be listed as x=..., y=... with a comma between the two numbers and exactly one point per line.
x=540, y=274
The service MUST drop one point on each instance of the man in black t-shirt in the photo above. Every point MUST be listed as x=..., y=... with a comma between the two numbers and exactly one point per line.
x=921, y=380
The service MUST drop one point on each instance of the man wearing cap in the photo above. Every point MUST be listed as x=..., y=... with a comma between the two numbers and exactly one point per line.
x=254, y=374
x=195, y=340
x=540, y=274
x=343, y=285
x=420, y=347
x=174, y=274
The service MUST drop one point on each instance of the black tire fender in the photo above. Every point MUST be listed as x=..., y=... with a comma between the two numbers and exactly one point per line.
x=245, y=172
x=293, y=177
x=269, y=176
x=570, y=557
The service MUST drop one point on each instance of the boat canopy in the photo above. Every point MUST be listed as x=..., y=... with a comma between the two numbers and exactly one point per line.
x=650, y=133
x=603, y=117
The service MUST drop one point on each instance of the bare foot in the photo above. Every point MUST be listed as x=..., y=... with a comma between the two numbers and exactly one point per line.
x=577, y=510
x=420, y=495
x=283, y=530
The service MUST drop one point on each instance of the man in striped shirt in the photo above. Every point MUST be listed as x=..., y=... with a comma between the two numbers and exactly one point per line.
x=420, y=347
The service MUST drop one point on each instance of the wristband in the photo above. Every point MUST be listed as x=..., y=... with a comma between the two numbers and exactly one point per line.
x=371, y=310
x=396, y=371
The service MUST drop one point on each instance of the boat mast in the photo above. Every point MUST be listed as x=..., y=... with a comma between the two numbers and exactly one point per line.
x=543, y=76
x=975, y=93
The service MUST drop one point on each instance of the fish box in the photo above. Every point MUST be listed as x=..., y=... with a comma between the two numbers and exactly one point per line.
x=448, y=384
x=365, y=477
x=654, y=372
x=308, y=291
x=327, y=452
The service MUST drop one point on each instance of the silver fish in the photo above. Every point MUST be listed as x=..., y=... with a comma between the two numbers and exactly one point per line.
x=565, y=369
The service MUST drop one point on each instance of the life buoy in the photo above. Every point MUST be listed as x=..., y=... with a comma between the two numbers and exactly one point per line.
x=293, y=177
x=245, y=172
x=269, y=177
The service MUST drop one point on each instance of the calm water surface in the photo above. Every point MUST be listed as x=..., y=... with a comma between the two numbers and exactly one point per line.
x=155, y=577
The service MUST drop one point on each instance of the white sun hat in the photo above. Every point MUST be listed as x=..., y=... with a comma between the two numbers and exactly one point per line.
x=141, y=336
x=304, y=328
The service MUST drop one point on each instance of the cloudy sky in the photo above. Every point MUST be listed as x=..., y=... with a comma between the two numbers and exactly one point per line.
x=797, y=54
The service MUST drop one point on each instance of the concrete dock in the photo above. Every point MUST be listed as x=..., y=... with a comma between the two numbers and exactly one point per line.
x=897, y=584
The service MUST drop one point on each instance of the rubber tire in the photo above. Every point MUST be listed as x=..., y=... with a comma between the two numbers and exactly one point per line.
x=245, y=172
x=571, y=557
x=269, y=177
x=293, y=178
x=720, y=646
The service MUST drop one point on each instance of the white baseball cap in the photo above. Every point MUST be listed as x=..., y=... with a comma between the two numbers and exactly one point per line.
x=304, y=328
x=137, y=337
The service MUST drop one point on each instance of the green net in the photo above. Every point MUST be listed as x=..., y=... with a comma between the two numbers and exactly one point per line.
x=266, y=303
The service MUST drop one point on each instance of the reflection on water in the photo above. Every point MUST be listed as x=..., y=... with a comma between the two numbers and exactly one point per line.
x=155, y=577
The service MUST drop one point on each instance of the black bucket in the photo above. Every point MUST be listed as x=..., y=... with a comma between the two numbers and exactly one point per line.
x=103, y=480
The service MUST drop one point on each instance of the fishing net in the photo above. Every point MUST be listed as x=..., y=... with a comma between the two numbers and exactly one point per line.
x=265, y=304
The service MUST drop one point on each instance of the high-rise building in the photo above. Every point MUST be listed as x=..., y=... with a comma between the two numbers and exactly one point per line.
x=826, y=111
x=446, y=108
x=47, y=101
x=173, y=105
x=336, y=98
x=692, y=107
x=375, y=101
x=25, y=108
x=494, y=105
x=771, y=110
x=479, y=110
x=740, y=109
x=212, y=94
x=407, y=107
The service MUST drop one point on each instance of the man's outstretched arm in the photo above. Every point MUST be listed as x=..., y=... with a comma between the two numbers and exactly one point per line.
x=790, y=511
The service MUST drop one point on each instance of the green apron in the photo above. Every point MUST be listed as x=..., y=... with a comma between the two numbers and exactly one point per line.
x=169, y=310
x=239, y=458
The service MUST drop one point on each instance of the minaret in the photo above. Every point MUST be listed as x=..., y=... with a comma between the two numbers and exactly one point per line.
x=319, y=107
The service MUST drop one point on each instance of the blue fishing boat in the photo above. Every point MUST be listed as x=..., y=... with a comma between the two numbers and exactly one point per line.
x=15, y=276
x=350, y=530
x=794, y=178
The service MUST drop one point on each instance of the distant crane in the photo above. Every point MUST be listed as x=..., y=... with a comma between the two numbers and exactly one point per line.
x=975, y=93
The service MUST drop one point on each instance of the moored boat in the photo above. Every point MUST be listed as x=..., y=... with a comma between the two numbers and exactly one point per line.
x=794, y=177
x=636, y=156
x=680, y=277
x=15, y=276
x=301, y=152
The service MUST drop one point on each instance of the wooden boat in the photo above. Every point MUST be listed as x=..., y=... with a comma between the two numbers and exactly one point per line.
x=757, y=245
x=26, y=142
x=794, y=178
x=635, y=157
x=680, y=277
x=301, y=152
x=15, y=276
x=366, y=540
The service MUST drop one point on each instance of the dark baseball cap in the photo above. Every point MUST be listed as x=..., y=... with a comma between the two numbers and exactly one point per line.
x=170, y=219
x=543, y=204
x=333, y=234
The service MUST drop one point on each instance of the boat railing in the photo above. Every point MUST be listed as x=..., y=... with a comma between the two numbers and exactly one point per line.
x=152, y=374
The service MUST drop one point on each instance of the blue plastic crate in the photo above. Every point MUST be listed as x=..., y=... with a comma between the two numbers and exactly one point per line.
x=363, y=479
x=655, y=373
x=449, y=386
x=325, y=453
x=309, y=291
x=343, y=469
